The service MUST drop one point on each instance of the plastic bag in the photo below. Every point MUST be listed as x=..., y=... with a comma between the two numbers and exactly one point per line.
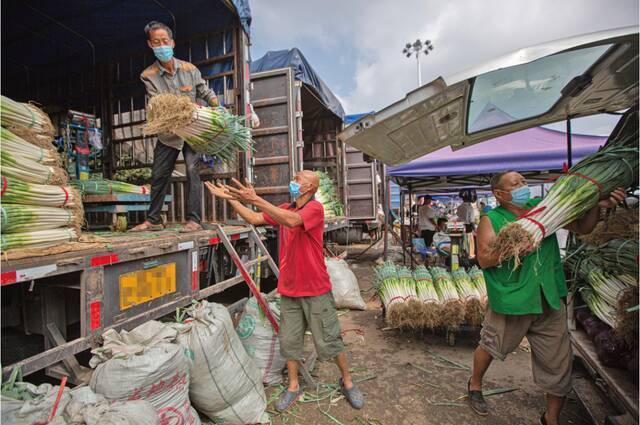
x=144, y=364
x=261, y=342
x=225, y=383
x=344, y=285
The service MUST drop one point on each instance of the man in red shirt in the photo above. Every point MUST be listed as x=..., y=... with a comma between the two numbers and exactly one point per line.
x=304, y=285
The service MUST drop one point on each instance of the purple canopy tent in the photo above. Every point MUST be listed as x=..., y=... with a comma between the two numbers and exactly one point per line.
x=537, y=152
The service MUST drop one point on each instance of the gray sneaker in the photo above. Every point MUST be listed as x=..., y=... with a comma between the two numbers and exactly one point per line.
x=287, y=398
x=353, y=395
x=476, y=400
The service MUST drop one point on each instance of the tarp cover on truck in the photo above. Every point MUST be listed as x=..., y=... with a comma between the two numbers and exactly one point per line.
x=294, y=59
x=61, y=36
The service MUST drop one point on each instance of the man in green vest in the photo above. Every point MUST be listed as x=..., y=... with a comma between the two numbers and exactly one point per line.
x=528, y=301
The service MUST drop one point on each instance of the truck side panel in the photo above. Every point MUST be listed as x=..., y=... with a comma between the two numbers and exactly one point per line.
x=362, y=193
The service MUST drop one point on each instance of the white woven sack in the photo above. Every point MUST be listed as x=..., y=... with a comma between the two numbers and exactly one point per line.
x=261, y=342
x=145, y=364
x=89, y=408
x=226, y=385
x=38, y=409
x=344, y=285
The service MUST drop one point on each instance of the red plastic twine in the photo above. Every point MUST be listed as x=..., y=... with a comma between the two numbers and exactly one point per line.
x=4, y=185
x=66, y=196
x=527, y=215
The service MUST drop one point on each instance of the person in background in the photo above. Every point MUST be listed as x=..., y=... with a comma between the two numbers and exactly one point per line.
x=484, y=208
x=441, y=239
x=465, y=212
x=304, y=285
x=427, y=220
x=170, y=75
x=528, y=301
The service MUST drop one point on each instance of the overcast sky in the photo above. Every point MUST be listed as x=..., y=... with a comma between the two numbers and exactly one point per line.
x=355, y=45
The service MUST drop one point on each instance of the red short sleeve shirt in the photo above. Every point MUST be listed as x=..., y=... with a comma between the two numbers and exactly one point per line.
x=303, y=272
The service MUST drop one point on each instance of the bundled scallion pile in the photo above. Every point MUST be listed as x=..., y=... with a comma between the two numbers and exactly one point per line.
x=394, y=292
x=412, y=314
x=105, y=187
x=573, y=194
x=210, y=131
x=328, y=196
x=453, y=310
x=37, y=210
x=427, y=294
x=477, y=277
x=470, y=296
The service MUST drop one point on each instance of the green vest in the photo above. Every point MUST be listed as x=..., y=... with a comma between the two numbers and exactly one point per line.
x=518, y=292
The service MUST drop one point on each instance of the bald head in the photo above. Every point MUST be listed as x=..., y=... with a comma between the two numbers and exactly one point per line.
x=308, y=181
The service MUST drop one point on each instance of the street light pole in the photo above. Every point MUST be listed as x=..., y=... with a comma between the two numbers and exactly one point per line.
x=416, y=49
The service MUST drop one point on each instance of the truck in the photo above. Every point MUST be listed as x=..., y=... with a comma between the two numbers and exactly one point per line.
x=299, y=122
x=56, y=303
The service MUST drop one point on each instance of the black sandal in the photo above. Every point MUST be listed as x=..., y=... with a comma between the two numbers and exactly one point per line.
x=476, y=401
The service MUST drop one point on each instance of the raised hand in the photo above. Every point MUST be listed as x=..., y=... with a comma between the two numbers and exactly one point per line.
x=616, y=197
x=243, y=193
x=219, y=191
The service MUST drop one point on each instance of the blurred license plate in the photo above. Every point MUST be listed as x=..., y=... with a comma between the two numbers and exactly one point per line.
x=145, y=285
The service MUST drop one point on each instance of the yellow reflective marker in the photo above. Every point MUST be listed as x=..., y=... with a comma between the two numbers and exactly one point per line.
x=145, y=285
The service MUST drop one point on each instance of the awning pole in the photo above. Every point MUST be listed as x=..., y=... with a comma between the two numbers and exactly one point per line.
x=411, y=225
x=569, y=154
x=402, y=227
x=386, y=199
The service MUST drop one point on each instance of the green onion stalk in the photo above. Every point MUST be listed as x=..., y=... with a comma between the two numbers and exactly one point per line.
x=426, y=292
x=15, y=191
x=453, y=310
x=30, y=171
x=105, y=187
x=22, y=218
x=25, y=116
x=572, y=195
x=18, y=147
x=619, y=256
x=209, y=131
x=38, y=238
x=471, y=297
x=477, y=277
x=598, y=306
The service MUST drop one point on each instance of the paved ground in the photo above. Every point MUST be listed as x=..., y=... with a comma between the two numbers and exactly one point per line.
x=398, y=392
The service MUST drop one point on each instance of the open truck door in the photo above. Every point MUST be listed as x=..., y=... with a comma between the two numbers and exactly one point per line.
x=573, y=77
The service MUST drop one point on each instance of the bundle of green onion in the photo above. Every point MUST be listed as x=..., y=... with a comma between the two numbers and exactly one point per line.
x=328, y=196
x=392, y=293
x=209, y=131
x=18, y=147
x=18, y=218
x=598, y=306
x=30, y=171
x=453, y=311
x=38, y=239
x=573, y=194
x=427, y=294
x=105, y=187
x=15, y=191
x=25, y=116
x=469, y=294
x=619, y=256
x=477, y=277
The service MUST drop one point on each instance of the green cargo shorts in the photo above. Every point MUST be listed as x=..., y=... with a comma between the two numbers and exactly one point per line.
x=320, y=316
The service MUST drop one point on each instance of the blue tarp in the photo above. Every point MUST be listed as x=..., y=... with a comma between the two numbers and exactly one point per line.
x=57, y=36
x=534, y=149
x=302, y=71
x=351, y=118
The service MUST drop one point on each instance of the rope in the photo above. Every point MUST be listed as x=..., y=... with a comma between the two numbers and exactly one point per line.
x=33, y=117
x=4, y=185
x=66, y=196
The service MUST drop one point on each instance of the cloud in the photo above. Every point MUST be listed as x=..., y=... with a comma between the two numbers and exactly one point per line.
x=355, y=45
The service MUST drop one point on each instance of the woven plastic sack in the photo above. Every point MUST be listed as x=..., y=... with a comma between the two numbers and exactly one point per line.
x=87, y=407
x=344, y=285
x=145, y=364
x=35, y=404
x=261, y=342
x=226, y=385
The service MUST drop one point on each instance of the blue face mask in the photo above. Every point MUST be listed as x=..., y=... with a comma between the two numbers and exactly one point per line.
x=163, y=53
x=521, y=196
x=294, y=190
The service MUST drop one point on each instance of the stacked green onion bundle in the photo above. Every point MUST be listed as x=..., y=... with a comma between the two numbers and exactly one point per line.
x=391, y=293
x=470, y=296
x=412, y=314
x=453, y=311
x=427, y=294
x=328, y=196
x=34, y=195
x=477, y=277
x=105, y=187
x=209, y=131
x=573, y=194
